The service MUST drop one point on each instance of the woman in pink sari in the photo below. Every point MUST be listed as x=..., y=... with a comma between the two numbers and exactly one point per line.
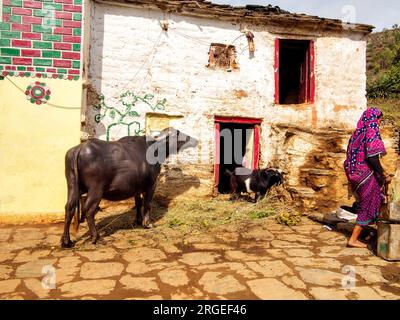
x=364, y=171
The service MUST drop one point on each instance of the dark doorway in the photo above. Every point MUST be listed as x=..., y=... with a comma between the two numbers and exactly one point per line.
x=294, y=71
x=236, y=149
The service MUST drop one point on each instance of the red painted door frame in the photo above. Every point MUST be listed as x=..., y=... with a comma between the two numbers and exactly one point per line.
x=217, y=129
x=312, y=71
x=310, y=97
x=276, y=69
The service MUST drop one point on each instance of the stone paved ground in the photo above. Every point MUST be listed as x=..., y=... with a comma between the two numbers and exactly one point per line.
x=257, y=260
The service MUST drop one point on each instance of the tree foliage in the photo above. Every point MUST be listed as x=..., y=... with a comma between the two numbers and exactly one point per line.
x=384, y=64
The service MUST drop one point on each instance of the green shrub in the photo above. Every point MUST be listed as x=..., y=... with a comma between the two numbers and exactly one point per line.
x=288, y=219
x=256, y=214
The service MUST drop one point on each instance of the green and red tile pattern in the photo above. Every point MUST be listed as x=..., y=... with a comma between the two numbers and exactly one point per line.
x=41, y=38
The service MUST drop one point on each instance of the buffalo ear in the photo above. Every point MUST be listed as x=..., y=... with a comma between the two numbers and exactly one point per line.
x=162, y=135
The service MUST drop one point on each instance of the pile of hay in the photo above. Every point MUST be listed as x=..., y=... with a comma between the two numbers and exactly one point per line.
x=207, y=213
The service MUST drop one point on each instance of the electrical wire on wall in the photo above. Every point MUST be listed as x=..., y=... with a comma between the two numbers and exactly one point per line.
x=57, y=106
x=148, y=61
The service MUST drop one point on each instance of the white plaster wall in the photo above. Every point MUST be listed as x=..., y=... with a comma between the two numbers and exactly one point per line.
x=340, y=80
x=130, y=51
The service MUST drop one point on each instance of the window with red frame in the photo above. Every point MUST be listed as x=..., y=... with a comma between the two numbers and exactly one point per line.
x=294, y=71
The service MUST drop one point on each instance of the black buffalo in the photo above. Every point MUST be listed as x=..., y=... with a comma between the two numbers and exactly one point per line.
x=257, y=181
x=116, y=171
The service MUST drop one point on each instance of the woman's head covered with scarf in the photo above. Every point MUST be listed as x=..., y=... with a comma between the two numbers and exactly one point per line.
x=365, y=142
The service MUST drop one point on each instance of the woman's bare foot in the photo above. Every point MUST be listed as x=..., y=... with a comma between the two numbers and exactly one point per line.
x=357, y=244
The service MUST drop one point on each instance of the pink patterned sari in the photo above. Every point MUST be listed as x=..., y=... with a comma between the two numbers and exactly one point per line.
x=365, y=142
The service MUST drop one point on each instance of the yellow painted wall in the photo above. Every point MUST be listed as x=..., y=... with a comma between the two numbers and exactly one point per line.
x=33, y=143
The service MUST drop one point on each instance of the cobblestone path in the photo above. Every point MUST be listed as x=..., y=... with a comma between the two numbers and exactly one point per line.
x=257, y=260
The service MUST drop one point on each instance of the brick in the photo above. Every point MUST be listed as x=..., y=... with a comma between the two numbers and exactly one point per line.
x=51, y=70
x=51, y=54
x=42, y=45
x=62, y=46
x=52, y=6
x=63, y=31
x=21, y=27
x=77, y=32
x=63, y=63
x=32, y=4
x=64, y=1
x=10, y=52
x=42, y=62
x=73, y=39
x=10, y=34
x=52, y=22
x=23, y=61
x=5, y=60
x=76, y=64
x=13, y=18
x=40, y=69
x=62, y=71
x=77, y=2
x=72, y=24
x=21, y=43
x=51, y=37
x=6, y=10
x=32, y=20
x=31, y=36
x=72, y=8
x=41, y=29
x=4, y=26
x=22, y=11
x=77, y=16
x=76, y=47
x=71, y=55
x=63, y=15
x=4, y=42
x=21, y=68
x=6, y=18
x=42, y=13
x=14, y=3
x=11, y=68
x=73, y=71
x=30, y=68
x=30, y=53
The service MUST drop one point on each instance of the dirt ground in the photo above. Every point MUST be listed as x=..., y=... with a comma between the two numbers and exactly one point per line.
x=245, y=259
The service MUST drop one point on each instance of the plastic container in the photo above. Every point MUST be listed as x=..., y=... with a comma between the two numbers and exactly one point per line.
x=389, y=241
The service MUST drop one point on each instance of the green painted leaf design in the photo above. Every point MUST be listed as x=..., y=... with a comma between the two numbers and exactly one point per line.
x=134, y=114
x=148, y=96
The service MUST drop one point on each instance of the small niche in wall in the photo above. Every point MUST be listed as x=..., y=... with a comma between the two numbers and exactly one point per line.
x=222, y=56
x=156, y=122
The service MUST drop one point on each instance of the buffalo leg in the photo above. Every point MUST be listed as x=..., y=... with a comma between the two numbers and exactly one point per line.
x=148, y=197
x=139, y=205
x=70, y=208
x=257, y=196
x=90, y=209
x=69, y=214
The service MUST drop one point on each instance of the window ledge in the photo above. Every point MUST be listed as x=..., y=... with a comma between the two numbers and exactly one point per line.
x=299, y=105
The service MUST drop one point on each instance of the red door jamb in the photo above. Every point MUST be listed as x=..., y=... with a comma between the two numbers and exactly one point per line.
x=276, y=70
x=217, y=127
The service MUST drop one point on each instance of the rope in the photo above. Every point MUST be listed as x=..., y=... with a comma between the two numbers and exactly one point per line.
x=48, y=103
x=148, y=55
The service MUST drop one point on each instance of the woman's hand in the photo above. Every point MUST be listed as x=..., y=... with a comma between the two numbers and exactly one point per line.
x=388, y=179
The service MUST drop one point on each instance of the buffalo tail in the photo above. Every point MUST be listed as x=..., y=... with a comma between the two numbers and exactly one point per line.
x=77, y=213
